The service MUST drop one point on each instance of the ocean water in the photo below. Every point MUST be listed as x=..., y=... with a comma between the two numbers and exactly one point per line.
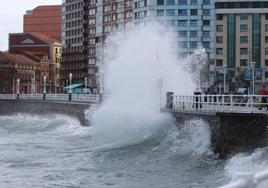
x=55, y=151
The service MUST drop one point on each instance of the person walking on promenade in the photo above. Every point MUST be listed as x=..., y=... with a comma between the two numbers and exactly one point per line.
x=263, y=97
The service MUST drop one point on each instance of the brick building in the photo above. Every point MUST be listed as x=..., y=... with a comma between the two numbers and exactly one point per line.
x=17, y=66
x=42, y=49
x=45, y=20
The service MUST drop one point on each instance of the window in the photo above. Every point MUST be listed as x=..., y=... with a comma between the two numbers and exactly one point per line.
x=206, y=45
x=266, y=39
x=182, y=12
x=206, y=2
x=193, y=44
x=170, y=2
x=206, y=34
x=170, y=12
x=219, y=62
x=92, y=31
x=193, y=12
x=219, y=51
x=206, y=22
x=141, y=14
x=193, y=33
x=266, y=16
x=243, y=39
x=243, y=16
x=107, y=8
x=219, y=16
x=243, y=51
x=92, y=12
x=219, y=28
x=219, y=39
x=160, y=2
x=193, y=23
x=183, y=34
x=266, y=62
x=183, y=44
x=91, y=51
x=206, y=12
x=243, y=62
x=193, y=2
x=92, y=21
x=243, y=28
x=107, y=18
x=182, y=2
x=182, y=23
x=160, y=12
x=92, y=41
x=266, y=51
x=266, y=74
x=266, y=27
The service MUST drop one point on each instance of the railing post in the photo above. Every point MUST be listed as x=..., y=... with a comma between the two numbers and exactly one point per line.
x=231, y=102
x=251, y=103
x=222, y=103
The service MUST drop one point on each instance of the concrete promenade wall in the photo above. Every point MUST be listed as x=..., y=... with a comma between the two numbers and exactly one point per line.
x=73, y=109
x=233, y=132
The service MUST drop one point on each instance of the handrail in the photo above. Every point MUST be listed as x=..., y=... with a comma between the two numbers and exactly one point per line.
x=92, y=98
x=218, y=103
x=248, y=180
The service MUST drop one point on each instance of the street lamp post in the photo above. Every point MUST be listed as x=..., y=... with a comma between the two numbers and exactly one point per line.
x=18, y=88
x=253, y=77
x=50, y=86
x=224, y=78
x=199, y=54
x=85, y=85
x=44, y=91
x=13, y=88
x=70, y=90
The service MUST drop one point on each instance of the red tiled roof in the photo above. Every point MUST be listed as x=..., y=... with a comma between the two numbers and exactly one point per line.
x=45, y=38
x=14, y=58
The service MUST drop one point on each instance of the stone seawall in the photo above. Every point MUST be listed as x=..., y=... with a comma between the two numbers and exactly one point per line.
x=73, y=109
x=233, y=132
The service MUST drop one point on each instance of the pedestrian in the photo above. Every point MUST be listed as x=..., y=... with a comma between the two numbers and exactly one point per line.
x=263, y=97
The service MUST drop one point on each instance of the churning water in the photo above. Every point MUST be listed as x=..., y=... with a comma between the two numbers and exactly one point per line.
x=129, y=143
x=55, y=151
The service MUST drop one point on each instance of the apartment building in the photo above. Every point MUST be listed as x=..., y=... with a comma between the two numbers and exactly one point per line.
x=192, y=20
x=73, y=55
x=85, y=26
x=241, y=38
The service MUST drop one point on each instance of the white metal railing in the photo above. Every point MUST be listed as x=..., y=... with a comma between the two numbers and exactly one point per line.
x=248, y=180
x=218, y=103
x=92, y=98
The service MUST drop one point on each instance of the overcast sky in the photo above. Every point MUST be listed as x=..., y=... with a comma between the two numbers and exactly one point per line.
x=11, y=16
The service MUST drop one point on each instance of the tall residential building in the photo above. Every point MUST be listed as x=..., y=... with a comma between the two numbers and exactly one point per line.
x=242, y=38
x=74, y=57
x=193, y=20
x=85, y=26
x=45, y=20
